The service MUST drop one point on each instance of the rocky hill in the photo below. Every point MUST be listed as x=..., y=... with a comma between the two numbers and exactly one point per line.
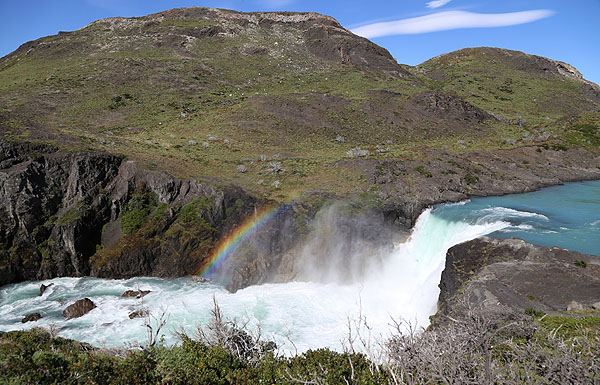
x=133, y=140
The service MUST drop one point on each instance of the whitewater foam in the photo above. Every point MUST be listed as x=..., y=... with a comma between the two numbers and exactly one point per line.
x=505, y=212
x=308, y=314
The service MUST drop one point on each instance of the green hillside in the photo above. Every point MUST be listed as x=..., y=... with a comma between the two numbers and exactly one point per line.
x=274, y=102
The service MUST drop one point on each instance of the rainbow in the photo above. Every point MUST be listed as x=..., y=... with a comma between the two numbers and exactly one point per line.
x=231, y=241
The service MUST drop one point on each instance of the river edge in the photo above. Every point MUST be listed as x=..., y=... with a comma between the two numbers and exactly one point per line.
x=87, y=190
x=455, y=286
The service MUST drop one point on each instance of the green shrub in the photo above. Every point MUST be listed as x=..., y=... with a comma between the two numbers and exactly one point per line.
x=99, y=368
x=161, y=210
x=137, y=368
x=188, y=214
x=136, y=211
x=334, y=368
x=471, y=179
x=580, y=263
x=535, y=313
x=423, y=171
x=50, y=367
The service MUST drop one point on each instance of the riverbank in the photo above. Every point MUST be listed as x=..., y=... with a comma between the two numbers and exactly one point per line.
x=340, y=270
x=95, y=214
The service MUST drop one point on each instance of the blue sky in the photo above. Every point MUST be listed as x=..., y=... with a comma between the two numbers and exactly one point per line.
x=413, y=31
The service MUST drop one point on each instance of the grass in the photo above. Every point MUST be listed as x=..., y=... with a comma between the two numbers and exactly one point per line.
x=570, y=326
x=130, y=95
x=70, y=216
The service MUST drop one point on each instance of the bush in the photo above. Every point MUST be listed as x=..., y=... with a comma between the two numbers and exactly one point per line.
x=532, y=312
x=137, y=368
x=421, y=170
x=580, y=263
x=324, y=366
x=471, y=179
x=190, y=213
x=136, y=211
x=492, y=345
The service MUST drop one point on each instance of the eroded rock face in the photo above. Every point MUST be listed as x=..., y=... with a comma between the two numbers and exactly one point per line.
x=51, y=210
x=335, y=242
x=79, y=308
x=517, y=274
x=64, y=215
x=60, y=215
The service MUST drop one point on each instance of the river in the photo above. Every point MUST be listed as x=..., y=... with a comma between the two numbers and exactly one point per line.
x=305, y=315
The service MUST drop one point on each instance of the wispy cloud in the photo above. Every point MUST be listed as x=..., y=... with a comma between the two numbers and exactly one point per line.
x=437, y=3
x=447, y=20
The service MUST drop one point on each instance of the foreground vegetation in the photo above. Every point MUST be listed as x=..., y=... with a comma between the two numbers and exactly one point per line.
x=483, y=346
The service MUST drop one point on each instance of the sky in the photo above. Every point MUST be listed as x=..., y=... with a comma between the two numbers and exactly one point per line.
x=412, y=30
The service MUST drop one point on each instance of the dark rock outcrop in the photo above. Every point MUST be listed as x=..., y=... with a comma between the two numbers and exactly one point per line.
x=81, y=214
x=44, y=287
x=79, y=308
x=52, y=209
x=138, y=314
x=31, y=317
x=450, y=107
x=514, y=273
x=335, y=43
x=136, y=293
x=61, y=214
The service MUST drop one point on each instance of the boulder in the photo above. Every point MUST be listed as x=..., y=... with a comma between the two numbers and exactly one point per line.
x=79, y=308
x=596, y=305
x=138, y=314
x=575, y=306
x=31, y=317
x=201, y=279
x=511, y=272
x=135, y=293
x=44, y=287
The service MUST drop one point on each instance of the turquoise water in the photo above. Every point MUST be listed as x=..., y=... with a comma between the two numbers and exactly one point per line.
x=566, y=216
x=308, y=315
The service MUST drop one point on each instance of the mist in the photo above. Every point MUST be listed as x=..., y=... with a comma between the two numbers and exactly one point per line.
x=346, y=266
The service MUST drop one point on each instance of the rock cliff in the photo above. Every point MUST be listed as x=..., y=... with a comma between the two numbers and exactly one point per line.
x=92, y=213
x=511, y=272
x=84, y=213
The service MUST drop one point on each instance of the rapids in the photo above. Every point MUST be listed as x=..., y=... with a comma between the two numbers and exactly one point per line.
x=305, y=315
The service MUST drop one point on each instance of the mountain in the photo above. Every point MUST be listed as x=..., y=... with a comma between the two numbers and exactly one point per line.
x=111, y=131
x=513, y=83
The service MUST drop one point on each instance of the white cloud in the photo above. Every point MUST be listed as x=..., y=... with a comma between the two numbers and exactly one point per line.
x=437, y=3
x=447, y=20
